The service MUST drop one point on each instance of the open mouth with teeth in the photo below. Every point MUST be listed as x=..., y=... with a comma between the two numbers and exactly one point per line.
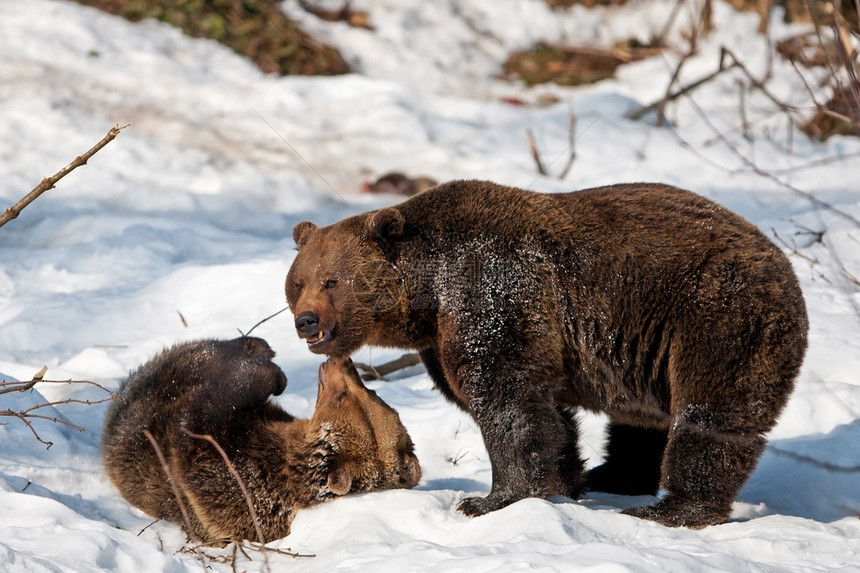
x=318, y=338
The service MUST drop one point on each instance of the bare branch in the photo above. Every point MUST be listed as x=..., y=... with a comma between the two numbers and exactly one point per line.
x=535, y=153
x=6, y=387
x=26, y=414
x=570, y=149
x=179, y=501
x=643, y=111
x=571, y=139
x=793, y=249
x=29, y=426
x=812, y=461
x=49, y=182
x=236, y=476
x=271, y=316
x=286, y=552
x=381, y=371
x=850, y=277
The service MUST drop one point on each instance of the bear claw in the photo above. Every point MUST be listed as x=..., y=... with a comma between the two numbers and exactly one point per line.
x=476, y=506
x=692, y=515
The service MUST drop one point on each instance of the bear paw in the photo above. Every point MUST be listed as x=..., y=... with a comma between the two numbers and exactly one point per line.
x=673, y=512
x=475, y=506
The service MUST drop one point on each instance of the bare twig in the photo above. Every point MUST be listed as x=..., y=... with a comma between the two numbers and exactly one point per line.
x=570, y=149
x=813, y=462
x=571, y=139
x=286, y=552
x=661, y=37
x=381, y=371
x=176, y=493
x=643, y=111
x=49, y=182
x=850, y=276
x=661, y=107
x=148, y=525
x=236, y=476
x=26, y=414
x=271, y=316
x=741, y=156
x=816, y=163
x=793, y=249
x=6, y=387
x=29, y=426
x=535, y=153
x=742, y=110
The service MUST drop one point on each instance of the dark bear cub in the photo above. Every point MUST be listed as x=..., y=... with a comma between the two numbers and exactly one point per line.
x=677, y=318
x=353, y=443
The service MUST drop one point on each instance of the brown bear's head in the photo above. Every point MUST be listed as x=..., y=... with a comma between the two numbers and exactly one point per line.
x=343, y=285
x=370, y=448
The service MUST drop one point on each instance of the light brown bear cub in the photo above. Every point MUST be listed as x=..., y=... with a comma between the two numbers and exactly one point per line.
x=353, y=443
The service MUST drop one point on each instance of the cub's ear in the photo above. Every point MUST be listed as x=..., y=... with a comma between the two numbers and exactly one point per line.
x=384, y=226
x=302, y=232
x=340, y=479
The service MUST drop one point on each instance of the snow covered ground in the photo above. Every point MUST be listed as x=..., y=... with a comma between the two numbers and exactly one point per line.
x=190, y=210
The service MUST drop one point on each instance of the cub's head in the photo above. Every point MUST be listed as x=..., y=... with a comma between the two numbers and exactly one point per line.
x=370, y=446
x=343, y=282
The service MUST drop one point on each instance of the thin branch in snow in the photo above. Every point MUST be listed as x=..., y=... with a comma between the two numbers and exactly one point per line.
x=27, y=414
x=175, y=488
x=793, y=249
x=570, y=150
x=29, y=426
x=535, y=153
x=850, y=276
x=236, y=476
x=814, y=462
x=271, y=316
x=150, y=524
x=50, y=182
x=380, y=372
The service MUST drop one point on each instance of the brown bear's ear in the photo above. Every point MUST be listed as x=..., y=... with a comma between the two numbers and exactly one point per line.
x=340, y=480
x=302, y=232
x=384, y=226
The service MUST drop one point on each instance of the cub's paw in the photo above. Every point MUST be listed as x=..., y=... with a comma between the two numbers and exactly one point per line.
x=675, y=513
x=475, y=506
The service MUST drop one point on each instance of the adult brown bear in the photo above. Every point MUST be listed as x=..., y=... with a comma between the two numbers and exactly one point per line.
x=677, y=318
x=353, y=443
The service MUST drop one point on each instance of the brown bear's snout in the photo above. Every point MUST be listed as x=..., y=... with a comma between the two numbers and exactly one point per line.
x=308, y=323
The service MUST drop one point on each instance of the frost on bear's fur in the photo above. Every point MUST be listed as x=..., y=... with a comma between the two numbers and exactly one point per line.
x=677, y=318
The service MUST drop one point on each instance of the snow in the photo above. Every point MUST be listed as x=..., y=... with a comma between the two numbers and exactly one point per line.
x=190, y=211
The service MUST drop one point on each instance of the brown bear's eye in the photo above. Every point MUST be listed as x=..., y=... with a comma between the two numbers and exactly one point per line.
x=298, y=286
x=330, y=283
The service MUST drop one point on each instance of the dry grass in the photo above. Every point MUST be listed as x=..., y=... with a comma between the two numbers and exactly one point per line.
x=257, y=29
x=570, y=66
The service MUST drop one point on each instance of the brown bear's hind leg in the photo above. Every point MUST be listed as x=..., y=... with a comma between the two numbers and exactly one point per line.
x=708, y=458
x=633, y=460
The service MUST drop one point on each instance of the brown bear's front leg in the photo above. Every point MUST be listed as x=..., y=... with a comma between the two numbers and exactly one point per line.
x=532, y=453
x=707, y=461
x=532, y=443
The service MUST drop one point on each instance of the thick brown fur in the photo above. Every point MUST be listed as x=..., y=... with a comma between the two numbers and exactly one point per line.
x=353, y=443
x=677, y=318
